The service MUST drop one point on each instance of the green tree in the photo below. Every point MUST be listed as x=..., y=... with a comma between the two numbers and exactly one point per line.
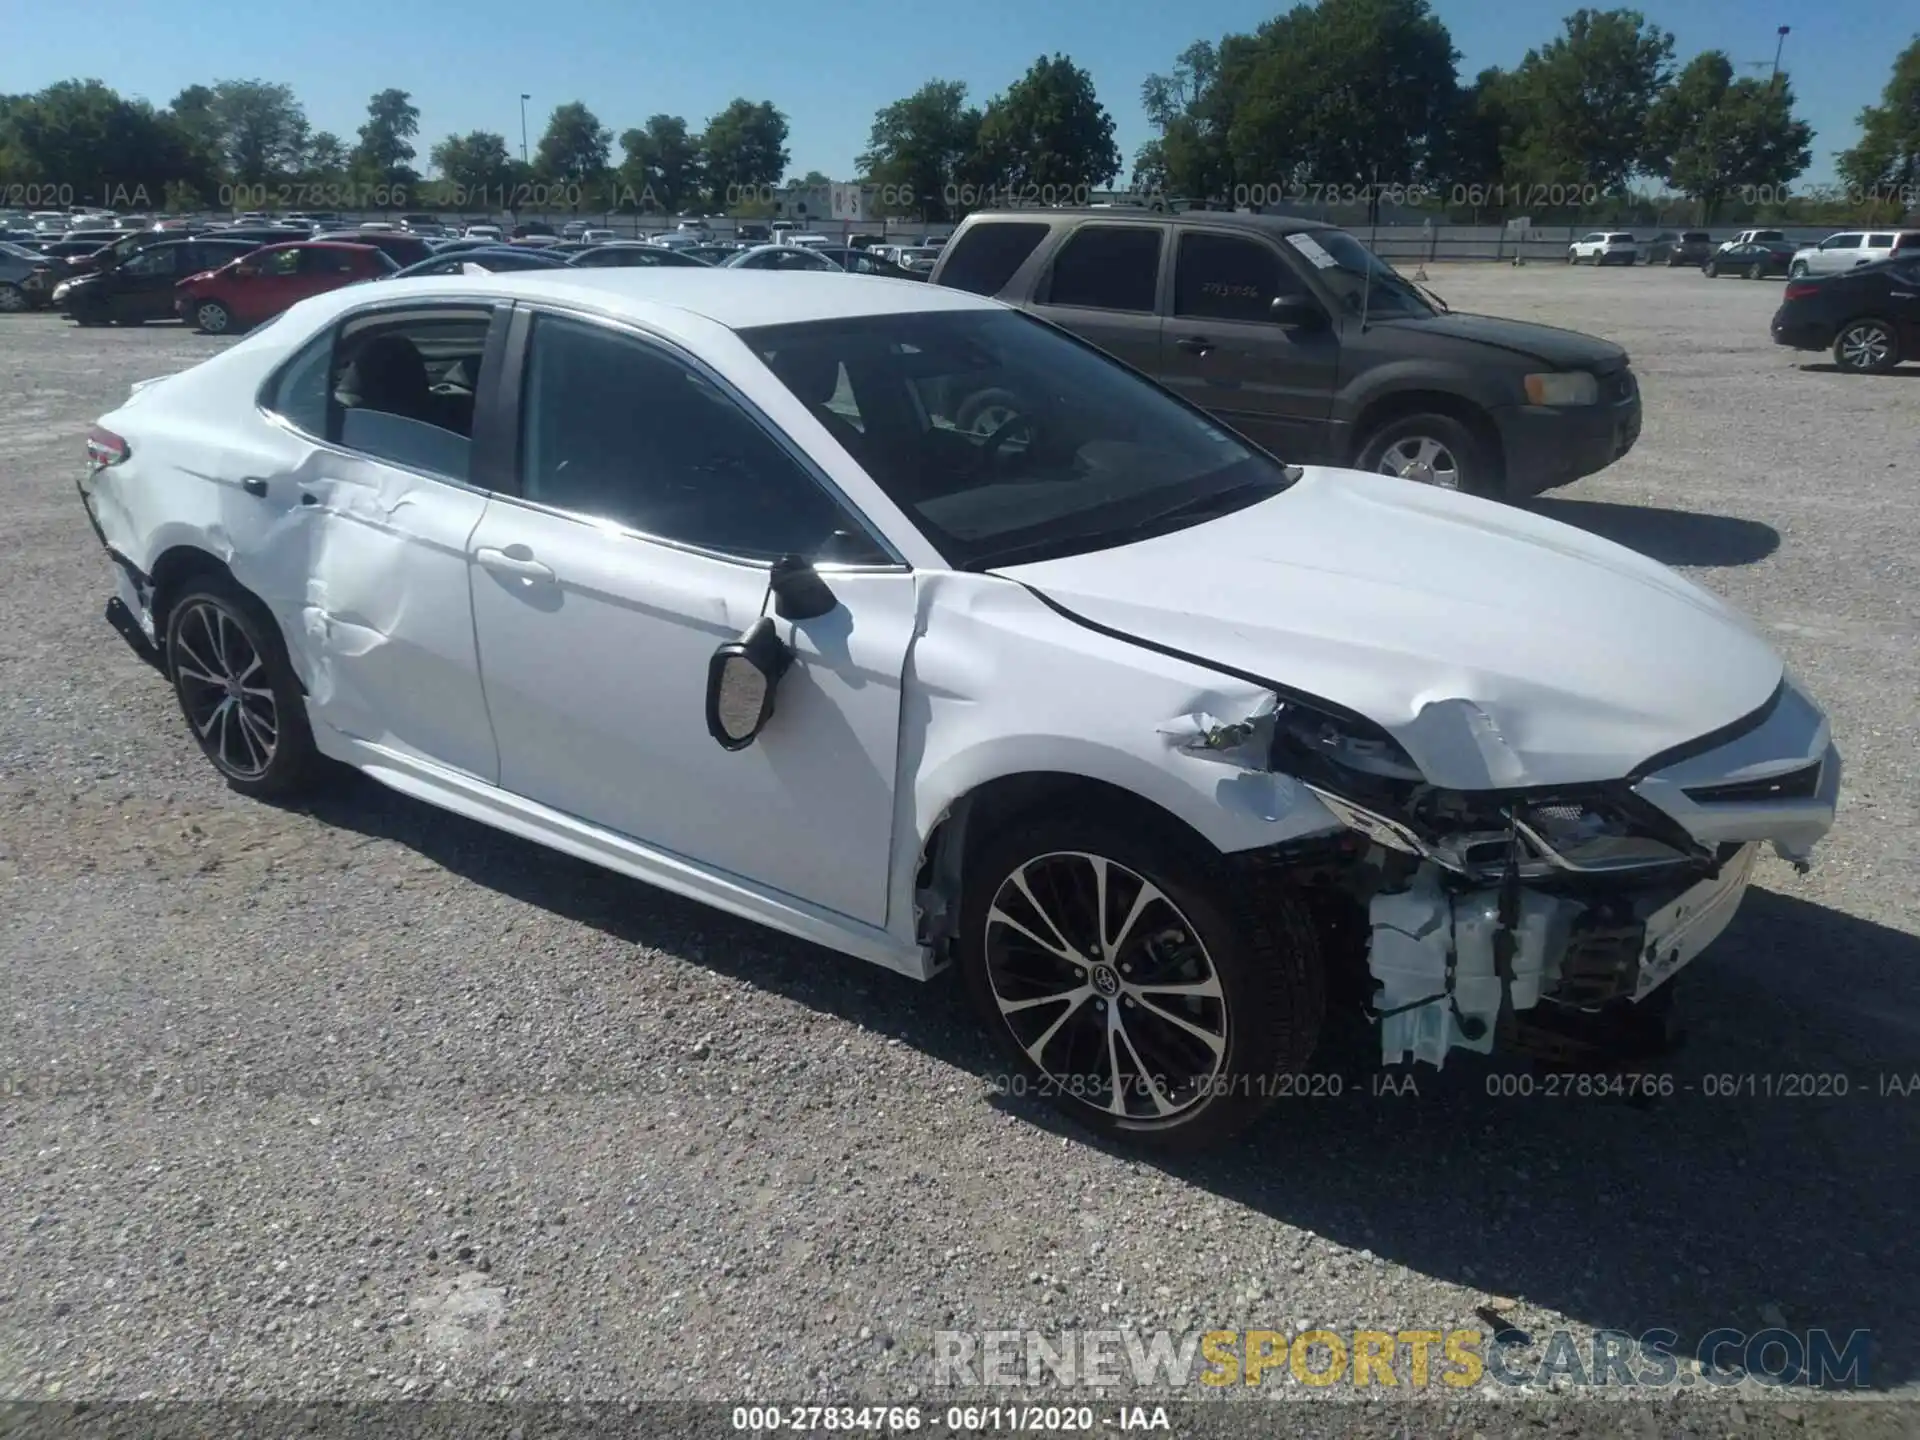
x=385, y=151
x=1472, y=158
x=1582, y=101
x=573, y=152
x=918, y=150
x=1884, y=167
x=743, y=152
x=476, y=169
x=259, y=129
x=660, y=169
x=1048, y=136
x=83, y=139
x=1344, y=97
x=1712, y=137
x=1189, y=155
x=327, y=155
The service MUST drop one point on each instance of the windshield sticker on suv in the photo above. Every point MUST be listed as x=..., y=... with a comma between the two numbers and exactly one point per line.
x=1312, y=249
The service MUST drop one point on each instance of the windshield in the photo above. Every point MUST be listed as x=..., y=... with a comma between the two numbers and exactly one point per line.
x=1355, y=273
x=1007, y=440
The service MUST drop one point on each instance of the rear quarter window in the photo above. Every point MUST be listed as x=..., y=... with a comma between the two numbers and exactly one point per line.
x=985, y=258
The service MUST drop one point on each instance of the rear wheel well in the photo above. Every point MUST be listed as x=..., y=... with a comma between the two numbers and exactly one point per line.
x=1401, y=403
x=172, y=573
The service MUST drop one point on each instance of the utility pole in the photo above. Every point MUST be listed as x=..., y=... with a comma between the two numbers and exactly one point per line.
x=1778, y=45
x=523, y=121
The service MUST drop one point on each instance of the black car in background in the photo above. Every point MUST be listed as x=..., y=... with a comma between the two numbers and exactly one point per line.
x=858, y=260
x=1869, y=316
x=140, y=288
x=633, y=253
x=1680, y=247
x=401, y=248
x=1755, y=260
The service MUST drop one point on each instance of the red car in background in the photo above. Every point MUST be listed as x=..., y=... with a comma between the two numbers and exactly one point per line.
x=261, y=284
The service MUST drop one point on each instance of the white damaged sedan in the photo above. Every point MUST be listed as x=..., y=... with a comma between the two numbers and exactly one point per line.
x=905, y=623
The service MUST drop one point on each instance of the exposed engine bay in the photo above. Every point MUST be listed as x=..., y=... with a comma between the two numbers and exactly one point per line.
x=1521, y=913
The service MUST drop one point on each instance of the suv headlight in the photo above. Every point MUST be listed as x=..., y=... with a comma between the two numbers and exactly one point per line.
x=1562, y=387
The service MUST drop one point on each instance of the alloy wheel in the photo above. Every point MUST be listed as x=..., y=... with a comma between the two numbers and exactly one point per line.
x=1865, y=346
x=1106, y=986
x=12, y=298
x=1423, y=459
x=223, y=689
x=212, y=318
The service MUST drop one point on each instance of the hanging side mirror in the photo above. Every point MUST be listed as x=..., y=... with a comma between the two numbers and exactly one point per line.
x=741, y=679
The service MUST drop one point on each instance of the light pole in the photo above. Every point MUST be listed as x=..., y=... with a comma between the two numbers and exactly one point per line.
x=1778, y=45
x=525, y=98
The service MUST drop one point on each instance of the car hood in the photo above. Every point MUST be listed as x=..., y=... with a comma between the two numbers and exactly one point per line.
x=1562, y=349
x=1500, y=648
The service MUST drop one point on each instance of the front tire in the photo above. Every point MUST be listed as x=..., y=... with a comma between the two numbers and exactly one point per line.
x=1797, y=271
x=12, y=298
x=237, y=689
x=1711, y=269
x=1866, y=347
x=1432, y=449
x=1126, y=976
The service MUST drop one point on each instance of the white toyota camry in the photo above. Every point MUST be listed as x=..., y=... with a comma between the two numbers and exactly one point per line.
x=1161, y=741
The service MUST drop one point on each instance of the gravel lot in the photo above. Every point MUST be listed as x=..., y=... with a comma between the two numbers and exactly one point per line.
x=366, y=1100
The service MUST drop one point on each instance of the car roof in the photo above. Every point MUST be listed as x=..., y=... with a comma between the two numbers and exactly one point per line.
x=1227, y=219
x=734, y=299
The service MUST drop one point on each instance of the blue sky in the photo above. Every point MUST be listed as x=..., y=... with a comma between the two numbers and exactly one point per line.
x=828, y=66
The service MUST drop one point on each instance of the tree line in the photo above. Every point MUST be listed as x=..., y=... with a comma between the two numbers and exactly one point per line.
x=1340, y=102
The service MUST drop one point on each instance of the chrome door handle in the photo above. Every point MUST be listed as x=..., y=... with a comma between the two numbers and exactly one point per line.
x=501, y=563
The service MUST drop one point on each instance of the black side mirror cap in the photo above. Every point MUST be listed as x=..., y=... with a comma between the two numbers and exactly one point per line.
x=1297, y=310
x=798, y=591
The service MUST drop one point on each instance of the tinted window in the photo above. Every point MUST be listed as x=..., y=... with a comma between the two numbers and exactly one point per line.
x=983, y=260
x=403, y=390
x=623, y=431
x=300, y=391
x=1223, y=277
x=1005, y=439
x=326, y=260
x=1107, y=267
x=1880, y=242
x=279, y=262
x=160, y=260
x=1840, y=242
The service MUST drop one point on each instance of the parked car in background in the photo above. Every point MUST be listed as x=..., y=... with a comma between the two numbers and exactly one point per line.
x=715, y=254
x=778, y=257
x=752, y=234
x=68, y=250
x=810, y=238
x=482, y=260
x=1754, y=237
x=528, y=229
x=1680, y=247
x=489, y=232
x=1158, y=741
x=1605, y=247
x=402, y=248
x=258, y=286
x=868, y=262
x=26, y=278
x=1868, y=316
x=125, y=248
x=1299, y=337
x=1850, y=248
x=263, y=234
x=1755, y=260
x=141, y=287
x=918, y=258
x=633, y=254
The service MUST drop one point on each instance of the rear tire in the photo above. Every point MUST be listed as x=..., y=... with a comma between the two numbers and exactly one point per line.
x=1869, y=346
x=1711, y=269
x=1184, y=1004
x=1797, y=271
x=237, y=690
x=210, y=317
x=12, y=298
x=1756, y=271
x=1433, y=449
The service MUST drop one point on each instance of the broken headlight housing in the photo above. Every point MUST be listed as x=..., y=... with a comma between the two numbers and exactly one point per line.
x=1369, y=782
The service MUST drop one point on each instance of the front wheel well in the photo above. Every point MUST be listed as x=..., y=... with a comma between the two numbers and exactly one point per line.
x=1401, y=403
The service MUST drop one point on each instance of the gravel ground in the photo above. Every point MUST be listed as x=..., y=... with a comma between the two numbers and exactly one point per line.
x=364, y=1100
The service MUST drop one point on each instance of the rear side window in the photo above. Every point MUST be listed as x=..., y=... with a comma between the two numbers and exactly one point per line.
x=299, y=394
x=983, y=260
x=1880, y=242
x=1223, y=277
x=1107, y=267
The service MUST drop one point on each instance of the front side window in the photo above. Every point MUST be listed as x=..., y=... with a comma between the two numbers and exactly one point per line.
x=1107, y=267
x=160, y=260
x=621, y=430
x=1005, y=439
x=1841, y=242
x=280, y=262
x=1225, y=277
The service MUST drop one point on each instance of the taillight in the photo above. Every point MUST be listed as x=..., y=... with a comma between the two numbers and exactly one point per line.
x=1801, y=292
x=105, y=448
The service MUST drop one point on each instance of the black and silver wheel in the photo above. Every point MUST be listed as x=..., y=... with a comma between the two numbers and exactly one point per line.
x=1711, y=269
x=1431, y=450
x=1129, y=981
x=1869, y=347
x=1757, y=271
x=1797, y=271
x=12, y=298
x=211, y=317
x=237, y=690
